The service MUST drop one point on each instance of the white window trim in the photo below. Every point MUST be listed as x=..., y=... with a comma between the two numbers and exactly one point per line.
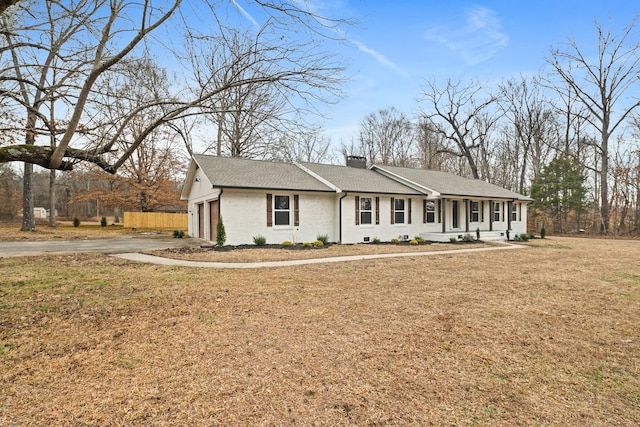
x=403, y=210
x=371, y=211
x=290, y=210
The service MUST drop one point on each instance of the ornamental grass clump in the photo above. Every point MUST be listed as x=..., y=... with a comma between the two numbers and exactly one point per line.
x=324, y=238
x=259, y=240
x=318, y=243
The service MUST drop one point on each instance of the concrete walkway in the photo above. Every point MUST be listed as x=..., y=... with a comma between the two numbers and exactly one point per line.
x=138, y=257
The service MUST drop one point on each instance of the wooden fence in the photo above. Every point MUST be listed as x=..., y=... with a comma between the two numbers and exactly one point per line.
x=156, y=220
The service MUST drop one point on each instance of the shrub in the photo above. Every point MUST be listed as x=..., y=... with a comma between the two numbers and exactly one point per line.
x=467, y=238
x=221, y=234
x=375, y=240
x=420, y=240
x=413, y=242
x=478, y=233
x=395, y=241
x=324, y=238
x=178, y=234
x=543, y=232
x=318, y=243
x=453, y=239
x=103, y=222
x=287, y=243
x=76, y=221
x=307, y=244
x=259, y=240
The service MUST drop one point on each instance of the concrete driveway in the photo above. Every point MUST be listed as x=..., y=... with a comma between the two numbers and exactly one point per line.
x=125, y=244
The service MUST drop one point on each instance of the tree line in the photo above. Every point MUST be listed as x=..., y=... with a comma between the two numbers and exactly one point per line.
x=574, y=125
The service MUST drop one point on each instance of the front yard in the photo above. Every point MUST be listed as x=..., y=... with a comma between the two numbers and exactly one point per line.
x=546, y=335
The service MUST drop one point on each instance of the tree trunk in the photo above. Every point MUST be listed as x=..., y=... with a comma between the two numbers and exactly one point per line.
x=604, y=184
x=28, y=220
x=52, y=198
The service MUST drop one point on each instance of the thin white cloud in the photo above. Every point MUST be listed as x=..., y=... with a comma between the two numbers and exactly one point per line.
x=245, y=13
x=478, y=40
x=378, y=57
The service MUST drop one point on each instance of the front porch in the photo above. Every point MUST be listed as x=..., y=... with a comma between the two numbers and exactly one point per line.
x=485, y=236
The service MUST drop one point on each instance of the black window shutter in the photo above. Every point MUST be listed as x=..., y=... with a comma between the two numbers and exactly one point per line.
x=269, y=210
x=393, y=210
x=296, y=210
x=357, y=210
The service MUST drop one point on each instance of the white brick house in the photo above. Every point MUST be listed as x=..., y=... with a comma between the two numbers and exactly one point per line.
x=350, y=204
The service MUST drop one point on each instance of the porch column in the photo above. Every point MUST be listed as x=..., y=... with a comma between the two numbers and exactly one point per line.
x=443, y=214
x=466, y=215
x=509, y=215
x=490, y=215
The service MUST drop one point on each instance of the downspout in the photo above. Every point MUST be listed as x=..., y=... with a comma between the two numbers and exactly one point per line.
x=340, y=215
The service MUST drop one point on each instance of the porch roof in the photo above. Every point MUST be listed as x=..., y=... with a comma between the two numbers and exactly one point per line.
x=448, y=184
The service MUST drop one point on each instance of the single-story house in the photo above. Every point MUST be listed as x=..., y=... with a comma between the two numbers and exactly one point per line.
x=350, y=204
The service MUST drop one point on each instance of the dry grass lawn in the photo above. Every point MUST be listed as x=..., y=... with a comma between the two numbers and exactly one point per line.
x=546, y=335
x=63, y=231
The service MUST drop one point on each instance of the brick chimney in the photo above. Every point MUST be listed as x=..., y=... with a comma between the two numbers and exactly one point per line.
x=358, y=162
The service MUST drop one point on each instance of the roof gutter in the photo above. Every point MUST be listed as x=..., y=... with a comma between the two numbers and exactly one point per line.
x=340, y=215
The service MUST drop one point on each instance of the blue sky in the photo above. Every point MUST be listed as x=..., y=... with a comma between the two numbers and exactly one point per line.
x=397, y=45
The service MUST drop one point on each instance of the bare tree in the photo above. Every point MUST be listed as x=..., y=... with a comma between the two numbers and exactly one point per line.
x=387, y=137
x=601, y=85
x=431, y=149
x=455, y=112
x=531, y=128
x=85, y=42
x=308, y=146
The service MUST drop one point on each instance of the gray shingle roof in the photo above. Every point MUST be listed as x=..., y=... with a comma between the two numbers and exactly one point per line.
x=449, y=184
x=358, y=180
x=245, y=173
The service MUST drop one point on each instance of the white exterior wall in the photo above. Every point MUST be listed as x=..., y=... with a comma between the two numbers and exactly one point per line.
x=244, y=214
x=385, y=231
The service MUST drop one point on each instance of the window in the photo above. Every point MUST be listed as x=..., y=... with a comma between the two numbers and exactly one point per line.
x=398, y=211
x=475, y=212
x=514, y=211
x=366, y=213
x=281, y=210
x=496, y=211
x=429, y=211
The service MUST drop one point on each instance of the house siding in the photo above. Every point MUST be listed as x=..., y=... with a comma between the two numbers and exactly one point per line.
x=385, y=230
x=244, y=214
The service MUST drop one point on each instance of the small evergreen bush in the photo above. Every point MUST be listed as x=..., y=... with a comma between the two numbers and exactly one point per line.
x=478, y=233
x=318, y=243
x=543, y=232
x=76, y=221
x=178, y=234
x=307, y=244
x=221, y=234
x=453, y=239
x=287, y=244
x=103, y=222
x=395, y=241
x=375, y=240
x=260, y=240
